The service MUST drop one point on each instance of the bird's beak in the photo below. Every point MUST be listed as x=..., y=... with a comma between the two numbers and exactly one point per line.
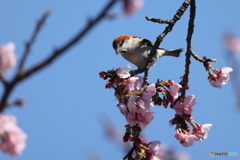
x=116, y=51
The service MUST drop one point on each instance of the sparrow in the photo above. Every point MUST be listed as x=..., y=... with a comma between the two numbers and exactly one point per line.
x=136, y=49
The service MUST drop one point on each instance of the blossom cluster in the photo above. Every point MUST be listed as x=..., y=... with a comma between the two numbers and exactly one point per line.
x=12, y=138
x=143, y=151
x=136, y=102
x=184, y=114
x=134, y=105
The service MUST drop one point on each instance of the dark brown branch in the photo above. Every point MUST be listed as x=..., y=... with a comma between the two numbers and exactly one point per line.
x=129, y=155
x=153, y=56
x=204, y=59
x=23, y=75
x=145, y=80
x=69, y=44
x=29, y=44
x=161, y=21
x=2, y=78
x=168, y=29
x=189, y=47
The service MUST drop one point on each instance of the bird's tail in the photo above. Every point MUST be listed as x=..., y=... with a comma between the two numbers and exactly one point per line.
x=174, y=53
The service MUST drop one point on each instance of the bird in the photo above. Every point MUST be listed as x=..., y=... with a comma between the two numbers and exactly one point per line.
x=136, y=49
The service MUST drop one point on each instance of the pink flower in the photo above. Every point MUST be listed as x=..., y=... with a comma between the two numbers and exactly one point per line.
x=181, y=156
x=155, y=158
x=188, y=104
x=178, y=109
x=232, y=44
x=134, y=84
x=146, y=97
x=201, y=132
x=154, y=147
x=151, y=89
x=174, y=90
x=12, y=138
x=123, y=108
x=186, y=107
x=7, y=57
x=220, y=78
x=144, y=120
x=131, y=119
x=131, y=6
x=214, y=81
x=133, y=102
x=154, y=150
x=185, y=139
x=223, y=75
x=123, y=72
x=137, y=107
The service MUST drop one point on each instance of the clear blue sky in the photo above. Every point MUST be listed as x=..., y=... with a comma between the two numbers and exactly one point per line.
x=66, y=101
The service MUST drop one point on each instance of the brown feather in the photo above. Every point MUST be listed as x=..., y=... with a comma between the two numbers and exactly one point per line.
x=119, y=39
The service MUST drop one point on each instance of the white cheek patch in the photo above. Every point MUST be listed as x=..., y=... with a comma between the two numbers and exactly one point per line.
x=127, y=44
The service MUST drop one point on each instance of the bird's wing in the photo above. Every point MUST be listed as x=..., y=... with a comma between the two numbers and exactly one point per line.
x=146, y=42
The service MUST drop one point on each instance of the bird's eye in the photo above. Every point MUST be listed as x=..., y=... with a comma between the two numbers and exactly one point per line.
x=121, y=43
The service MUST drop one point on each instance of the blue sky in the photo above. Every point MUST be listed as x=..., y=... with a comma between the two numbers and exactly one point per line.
x=67, y=100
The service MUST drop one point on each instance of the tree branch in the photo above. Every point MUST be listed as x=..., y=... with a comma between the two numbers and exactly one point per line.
x=129, y=154
x=161, y=21
x=29, y=44
x=3, y=79
x=189, y=47
x=153, y=56
x=168, y=29
x=55, y=54
x=72, y=42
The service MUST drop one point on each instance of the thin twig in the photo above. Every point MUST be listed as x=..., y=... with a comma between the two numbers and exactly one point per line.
x=176, y=17
x=29, y=44
x=161, y=21
x=54, y=55
x=129, y=155
x=153, y=56
x=72, y=42
x=189, y=47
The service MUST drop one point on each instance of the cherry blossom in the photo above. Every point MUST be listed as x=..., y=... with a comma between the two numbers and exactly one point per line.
x=188, y=104
x=7, y=57
x=123, y=108
x=131, y=6
x=145, y=119
x=232, y=44
x=154, y=149
x=201, y=132
x=186, y=107
x=137, y=107
x=123, y=72
x=134, y=84
x=220, y=77
x=185, y=139
x=174, y=90
x=12, y=138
